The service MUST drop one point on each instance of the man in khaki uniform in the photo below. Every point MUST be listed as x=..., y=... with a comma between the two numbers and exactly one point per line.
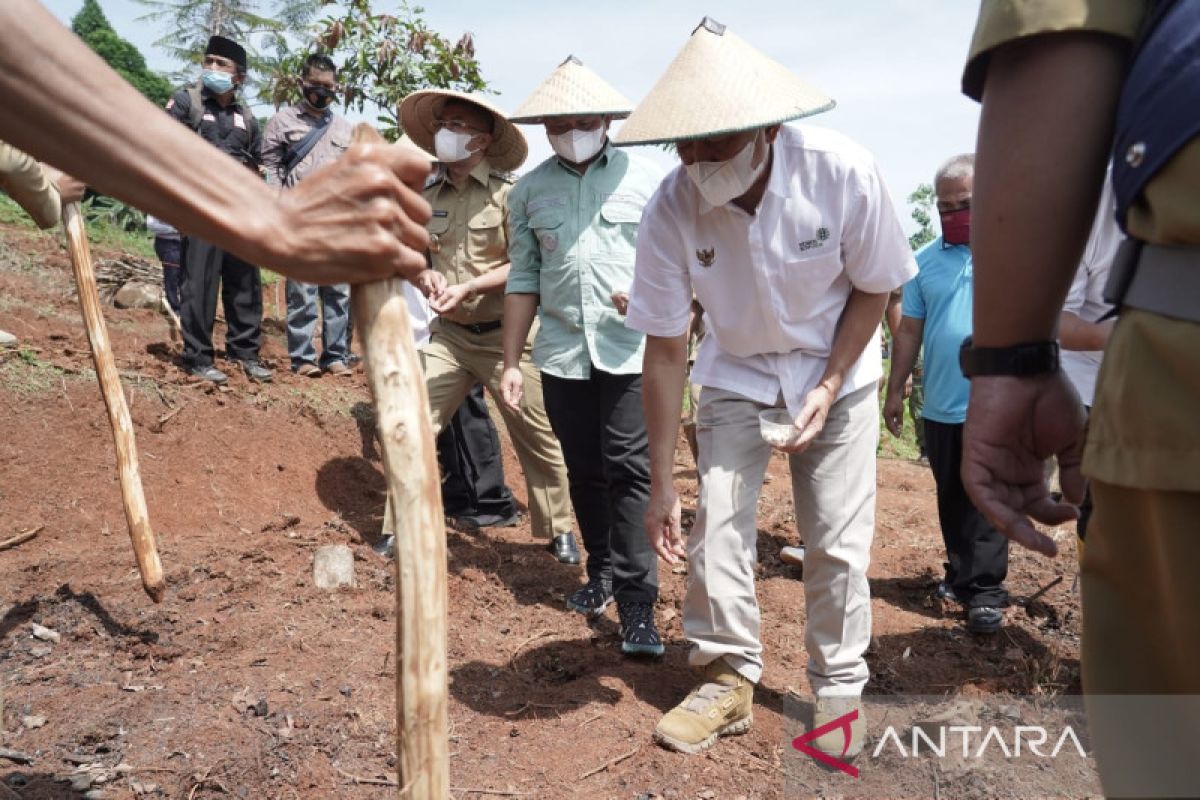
x=1037, y=180
x=477, y=147
x=41, y=191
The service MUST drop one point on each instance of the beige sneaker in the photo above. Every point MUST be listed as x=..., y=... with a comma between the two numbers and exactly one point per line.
x=835, y=743
x=723, y=705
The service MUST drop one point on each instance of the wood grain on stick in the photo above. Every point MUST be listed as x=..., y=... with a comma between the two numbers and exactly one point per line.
x=132, y=497
x=410, y=462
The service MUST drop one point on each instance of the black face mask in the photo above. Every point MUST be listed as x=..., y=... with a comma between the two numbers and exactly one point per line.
x=319, y=97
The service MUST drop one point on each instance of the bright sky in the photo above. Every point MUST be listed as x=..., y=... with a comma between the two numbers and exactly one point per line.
x=892, y=65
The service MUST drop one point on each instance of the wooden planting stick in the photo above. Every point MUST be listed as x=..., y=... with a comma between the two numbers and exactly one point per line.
x=132, y=498
x=410, y=462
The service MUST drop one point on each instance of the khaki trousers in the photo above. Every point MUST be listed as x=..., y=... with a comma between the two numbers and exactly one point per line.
x=833, y=486
x=455, y=360
x=1141, y=636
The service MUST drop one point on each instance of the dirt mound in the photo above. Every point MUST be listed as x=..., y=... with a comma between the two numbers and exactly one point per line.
x=250, y=682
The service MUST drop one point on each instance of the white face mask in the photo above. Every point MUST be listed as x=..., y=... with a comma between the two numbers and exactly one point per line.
x=578, y=146
x=720, y=182
x=450, y=146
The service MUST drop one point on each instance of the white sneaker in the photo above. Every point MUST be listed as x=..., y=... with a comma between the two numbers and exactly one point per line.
x=792, y=555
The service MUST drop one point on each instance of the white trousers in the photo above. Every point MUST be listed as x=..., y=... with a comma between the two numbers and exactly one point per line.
x=833, y=486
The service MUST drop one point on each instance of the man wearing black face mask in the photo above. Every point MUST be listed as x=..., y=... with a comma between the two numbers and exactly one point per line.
x=298, y=140
x=937, y=311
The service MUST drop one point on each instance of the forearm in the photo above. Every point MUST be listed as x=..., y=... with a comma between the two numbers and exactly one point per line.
x=1075, y=334
x=1037, y=180
x=664, y=373
x=906, y=343
x=857, y=325
x=893, y=315
x=492, y=281
x=519, y=311
x=68, y=128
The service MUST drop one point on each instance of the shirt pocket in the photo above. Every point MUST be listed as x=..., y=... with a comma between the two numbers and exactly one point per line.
x=621, y=219
x=547, y=227
x=486, y=232
x=806, y=283
x=340, y=142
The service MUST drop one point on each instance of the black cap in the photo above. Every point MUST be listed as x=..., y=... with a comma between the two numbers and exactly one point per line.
x=227, y=48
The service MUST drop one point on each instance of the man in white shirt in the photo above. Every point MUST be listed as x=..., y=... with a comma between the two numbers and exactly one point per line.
x=1084, y=324
x=789, y=241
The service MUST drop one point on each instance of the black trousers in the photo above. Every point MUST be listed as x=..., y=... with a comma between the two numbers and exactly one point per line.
x=977, y=552
x=472, y=469
x=168, y=252
x=204, y=267
x=600, y=424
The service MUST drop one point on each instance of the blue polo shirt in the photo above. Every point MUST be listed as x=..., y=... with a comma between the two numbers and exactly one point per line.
x=941, y=296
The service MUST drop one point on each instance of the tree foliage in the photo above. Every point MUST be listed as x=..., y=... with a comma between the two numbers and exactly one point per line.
x=922, y=200
x=381, y=58
x=94, y=29
x=257, y=25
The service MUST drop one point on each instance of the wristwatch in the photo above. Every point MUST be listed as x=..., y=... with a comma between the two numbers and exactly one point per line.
x=1020, y=360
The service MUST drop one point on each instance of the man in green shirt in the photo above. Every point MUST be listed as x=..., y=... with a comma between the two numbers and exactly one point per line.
x=573, y=226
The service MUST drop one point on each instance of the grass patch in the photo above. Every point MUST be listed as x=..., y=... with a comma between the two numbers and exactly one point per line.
x=26, y=376
x=904, y=446
x=103, y=235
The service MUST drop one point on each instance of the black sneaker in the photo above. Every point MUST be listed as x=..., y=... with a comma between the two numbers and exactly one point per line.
x=255, y=370
x=386, y=546
x=984, y=619
x=639, y=637
x=945, y=591
x=591, y=599
x=207, y=372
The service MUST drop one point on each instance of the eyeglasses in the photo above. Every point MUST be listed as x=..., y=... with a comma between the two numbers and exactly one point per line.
x=454, y=126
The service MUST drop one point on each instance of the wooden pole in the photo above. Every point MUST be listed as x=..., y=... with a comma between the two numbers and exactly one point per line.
x=132, y=498
x=410, y=463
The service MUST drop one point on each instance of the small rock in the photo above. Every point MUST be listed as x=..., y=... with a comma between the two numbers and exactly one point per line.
x=707, y=794
x=40, y=651
x=32, y=722
x=333, y=566
x=95, y=794
x=260, y=708
x=345, y=690
x=46, y=634
x=81, y=781
x=137, y=295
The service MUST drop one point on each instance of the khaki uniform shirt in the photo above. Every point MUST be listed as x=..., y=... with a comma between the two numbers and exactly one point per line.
x=287, y=128
x=469, y=230
x=25, y=181
x=1143, y=432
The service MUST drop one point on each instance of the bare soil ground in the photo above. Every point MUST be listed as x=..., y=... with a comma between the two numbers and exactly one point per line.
x=248, y=682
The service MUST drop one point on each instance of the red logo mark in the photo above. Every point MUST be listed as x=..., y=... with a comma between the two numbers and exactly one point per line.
x=801, y=743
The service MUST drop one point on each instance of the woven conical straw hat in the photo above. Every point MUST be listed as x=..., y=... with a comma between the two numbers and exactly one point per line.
x=719, y=84
x=419, y=110
x=573, y=90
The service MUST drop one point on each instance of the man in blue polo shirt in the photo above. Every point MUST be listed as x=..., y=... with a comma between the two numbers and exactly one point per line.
x=937, y=312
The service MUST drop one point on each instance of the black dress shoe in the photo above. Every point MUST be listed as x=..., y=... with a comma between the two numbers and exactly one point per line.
x=563, y=548
x=473, y=522
x=207, y=372
x=255, y=371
